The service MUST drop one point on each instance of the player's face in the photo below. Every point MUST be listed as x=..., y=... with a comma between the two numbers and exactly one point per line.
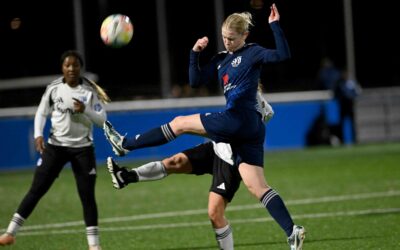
x=71, y=69
x=233, y=40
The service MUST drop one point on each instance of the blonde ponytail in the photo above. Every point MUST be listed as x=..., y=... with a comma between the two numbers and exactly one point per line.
x=100, y=91
x=260, y=86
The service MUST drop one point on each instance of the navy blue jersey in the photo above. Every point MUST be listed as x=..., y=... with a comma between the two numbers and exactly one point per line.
x=239, y=72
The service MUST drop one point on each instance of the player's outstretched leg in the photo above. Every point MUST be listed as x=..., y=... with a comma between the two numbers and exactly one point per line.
x=296, y=239
x=122, y=176
x=115, y=139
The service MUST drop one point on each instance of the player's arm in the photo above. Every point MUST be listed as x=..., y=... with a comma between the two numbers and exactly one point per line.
x=201, y=75
x=41, y=114
x=95, y=111
x=263, y=107
x=282, y=47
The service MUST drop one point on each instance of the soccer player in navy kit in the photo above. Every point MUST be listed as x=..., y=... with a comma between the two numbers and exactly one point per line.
x=212, y=158
x=238, y=70
x=74, y=104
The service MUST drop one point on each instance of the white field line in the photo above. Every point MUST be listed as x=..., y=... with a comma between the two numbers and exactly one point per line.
x=207, y=223
x=325, y=199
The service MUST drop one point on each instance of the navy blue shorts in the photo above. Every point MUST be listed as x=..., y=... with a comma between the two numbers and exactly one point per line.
x=243, y=129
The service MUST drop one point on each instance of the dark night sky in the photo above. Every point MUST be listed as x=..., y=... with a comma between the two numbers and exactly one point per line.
x=314, y=29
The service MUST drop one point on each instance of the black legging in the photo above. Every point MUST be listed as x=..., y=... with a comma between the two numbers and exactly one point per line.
x=54, y=158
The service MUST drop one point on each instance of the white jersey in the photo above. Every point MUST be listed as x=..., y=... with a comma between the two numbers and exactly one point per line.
x=68, y=128
x=223, y=151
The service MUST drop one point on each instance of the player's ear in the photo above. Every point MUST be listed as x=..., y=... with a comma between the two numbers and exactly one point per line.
x=246, y=34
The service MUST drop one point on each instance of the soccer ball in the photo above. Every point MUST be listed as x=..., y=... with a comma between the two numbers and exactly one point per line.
x=116, y=30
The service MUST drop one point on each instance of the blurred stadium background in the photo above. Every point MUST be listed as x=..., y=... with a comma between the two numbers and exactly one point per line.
x=145, y=78
x=165, y=31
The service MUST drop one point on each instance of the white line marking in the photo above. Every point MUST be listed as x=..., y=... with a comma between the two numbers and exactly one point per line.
x=325, y=199
x=207, y=223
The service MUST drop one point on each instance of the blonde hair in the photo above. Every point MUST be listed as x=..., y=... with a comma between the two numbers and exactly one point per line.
x=260, y=87
x=102, y=95
x=239, y=22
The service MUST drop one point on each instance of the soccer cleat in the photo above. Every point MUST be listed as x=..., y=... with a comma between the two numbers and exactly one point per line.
x=115, y=139
x=296, y=239
x=116, y=171
x=6, y=239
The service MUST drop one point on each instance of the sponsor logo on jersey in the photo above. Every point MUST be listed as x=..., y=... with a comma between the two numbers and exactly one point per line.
x=227, y=85
x=61, y=107
x=225, y=79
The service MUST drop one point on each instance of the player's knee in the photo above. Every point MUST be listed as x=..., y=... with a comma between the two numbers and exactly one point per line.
x=252, y=190
x=257, y=190
x=179, y=124
x=215, y=216
x=170, y=163
x=177, y=164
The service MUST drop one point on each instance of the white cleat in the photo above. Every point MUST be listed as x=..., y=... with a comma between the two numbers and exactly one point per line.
x=296, y=239
x=115, y=139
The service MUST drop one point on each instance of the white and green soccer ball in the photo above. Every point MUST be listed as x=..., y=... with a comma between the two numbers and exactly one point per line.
x=116, y=30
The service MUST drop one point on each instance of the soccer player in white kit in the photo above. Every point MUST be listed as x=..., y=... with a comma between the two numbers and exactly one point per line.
x=74, y=104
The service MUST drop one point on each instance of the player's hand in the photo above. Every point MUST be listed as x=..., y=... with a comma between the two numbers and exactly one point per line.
x=39, y=144
x=268, y=112
x=201, y=44
x=274, y=15
x=79, y=106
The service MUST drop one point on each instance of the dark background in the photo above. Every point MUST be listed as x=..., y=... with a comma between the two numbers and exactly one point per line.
x=314, y=29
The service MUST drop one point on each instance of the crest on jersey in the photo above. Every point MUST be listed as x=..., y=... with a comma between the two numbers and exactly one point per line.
x=97, y=107
x=235, y=62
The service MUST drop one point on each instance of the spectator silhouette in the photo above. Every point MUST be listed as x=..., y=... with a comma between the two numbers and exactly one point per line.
x=346, y=90
x=328, y=74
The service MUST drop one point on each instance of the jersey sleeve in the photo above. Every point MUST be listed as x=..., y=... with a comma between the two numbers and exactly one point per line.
x=200, y=75
x=282, y=51
x=282, y=46
x=42, y=112
x=95, y=110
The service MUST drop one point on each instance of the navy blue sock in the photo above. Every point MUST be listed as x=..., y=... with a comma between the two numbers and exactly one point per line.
x=153, y=137
x=275, y=206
